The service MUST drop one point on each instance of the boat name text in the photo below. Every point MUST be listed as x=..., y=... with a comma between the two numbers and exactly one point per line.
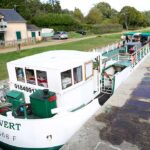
x=24, y=88
x=7, y=136
x=10, y=125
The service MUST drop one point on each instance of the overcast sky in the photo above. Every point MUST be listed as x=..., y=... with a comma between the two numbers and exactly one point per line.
x=86, y=5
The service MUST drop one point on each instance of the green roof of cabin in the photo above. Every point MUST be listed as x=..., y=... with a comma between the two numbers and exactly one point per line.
x=129, y=33
x=142, y=33
x=145, y=34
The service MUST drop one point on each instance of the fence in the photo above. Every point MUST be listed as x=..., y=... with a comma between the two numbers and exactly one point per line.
x=14, y=43
x=130, y=60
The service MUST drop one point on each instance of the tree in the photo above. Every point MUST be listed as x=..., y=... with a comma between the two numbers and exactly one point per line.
x=146, y=17
x=129, y=16
x=105, y=9
x=78, y=14
x=94, y=16
x=66, y=11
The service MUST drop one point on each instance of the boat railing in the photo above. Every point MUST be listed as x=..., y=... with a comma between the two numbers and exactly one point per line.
x=131, y=59
x=107, y=86
x=139, y=54
x=108, y=48
x=134, y=57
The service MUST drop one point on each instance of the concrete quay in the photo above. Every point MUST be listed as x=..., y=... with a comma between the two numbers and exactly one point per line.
x=123, y=122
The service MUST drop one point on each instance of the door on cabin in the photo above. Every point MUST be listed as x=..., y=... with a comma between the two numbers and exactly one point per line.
x=96, y=74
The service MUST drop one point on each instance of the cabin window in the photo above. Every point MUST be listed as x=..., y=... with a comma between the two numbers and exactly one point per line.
x=20, y=74
x=88, y=70
x=66, y=79
x=77, y=73
x=96, y=65
x=42, y=78
x=30, y=77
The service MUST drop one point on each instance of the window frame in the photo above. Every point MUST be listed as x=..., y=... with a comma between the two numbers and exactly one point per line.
x=71, y=84
x=24, y=77
x=36, y=73
x=34, y=76
x=81, y=75
x=86, y=78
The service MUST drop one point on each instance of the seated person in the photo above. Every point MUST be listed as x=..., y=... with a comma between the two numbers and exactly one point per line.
x=131, y=50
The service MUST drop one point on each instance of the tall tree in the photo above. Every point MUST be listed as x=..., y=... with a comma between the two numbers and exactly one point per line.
x=129, y=16
x=104, y=8
x=147, y=17
x=94, y=16
x=57, y=7
x=78, y=14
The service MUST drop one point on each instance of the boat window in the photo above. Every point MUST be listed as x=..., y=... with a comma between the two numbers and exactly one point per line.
x=66, y=79
x=20, y=74
x=96, y=64
x=42, y=78
x=88, y=70
x=30, y=77
x=77, y=73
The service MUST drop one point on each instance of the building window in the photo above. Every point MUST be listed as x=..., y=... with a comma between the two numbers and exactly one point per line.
x=88, y=70
x=20, y=74
x=18, y=35
x=42, y=78
x=77, y=73
x=66, y=79
x=39, y=33
x=30, y=77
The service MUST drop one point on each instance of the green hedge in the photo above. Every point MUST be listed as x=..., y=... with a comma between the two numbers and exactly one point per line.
x=106, y=28
x=57, y=22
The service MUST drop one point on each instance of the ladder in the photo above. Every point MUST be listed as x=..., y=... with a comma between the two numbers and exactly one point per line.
x=107, y=86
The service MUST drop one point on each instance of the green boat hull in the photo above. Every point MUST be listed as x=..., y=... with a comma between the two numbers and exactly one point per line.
x=10, y=147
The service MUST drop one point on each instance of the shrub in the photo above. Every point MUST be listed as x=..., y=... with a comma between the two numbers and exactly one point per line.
x=106, y=28
x=57, y=21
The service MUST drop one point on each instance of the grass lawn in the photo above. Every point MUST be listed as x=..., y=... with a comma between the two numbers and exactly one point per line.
x=83, y=45
x=77, y=35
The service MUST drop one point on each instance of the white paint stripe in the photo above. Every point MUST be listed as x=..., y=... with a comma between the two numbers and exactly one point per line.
x=109, y=145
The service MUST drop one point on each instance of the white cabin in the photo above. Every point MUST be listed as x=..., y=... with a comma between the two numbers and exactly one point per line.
x=73, y=75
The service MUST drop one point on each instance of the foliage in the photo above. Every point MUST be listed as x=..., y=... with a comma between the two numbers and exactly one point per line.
x=106, y=28
x=129, y=16
x=56, y=21
x=105, y=9
x=94, y=16
x=30, y=8
x=78, y=15
x=50, y=14
x=147, y=17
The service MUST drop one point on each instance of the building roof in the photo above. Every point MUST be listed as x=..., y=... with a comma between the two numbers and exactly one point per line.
x=10, y=15
x=32, y=27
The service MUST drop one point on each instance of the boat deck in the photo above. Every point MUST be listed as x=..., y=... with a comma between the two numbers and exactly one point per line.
x=123, y=122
